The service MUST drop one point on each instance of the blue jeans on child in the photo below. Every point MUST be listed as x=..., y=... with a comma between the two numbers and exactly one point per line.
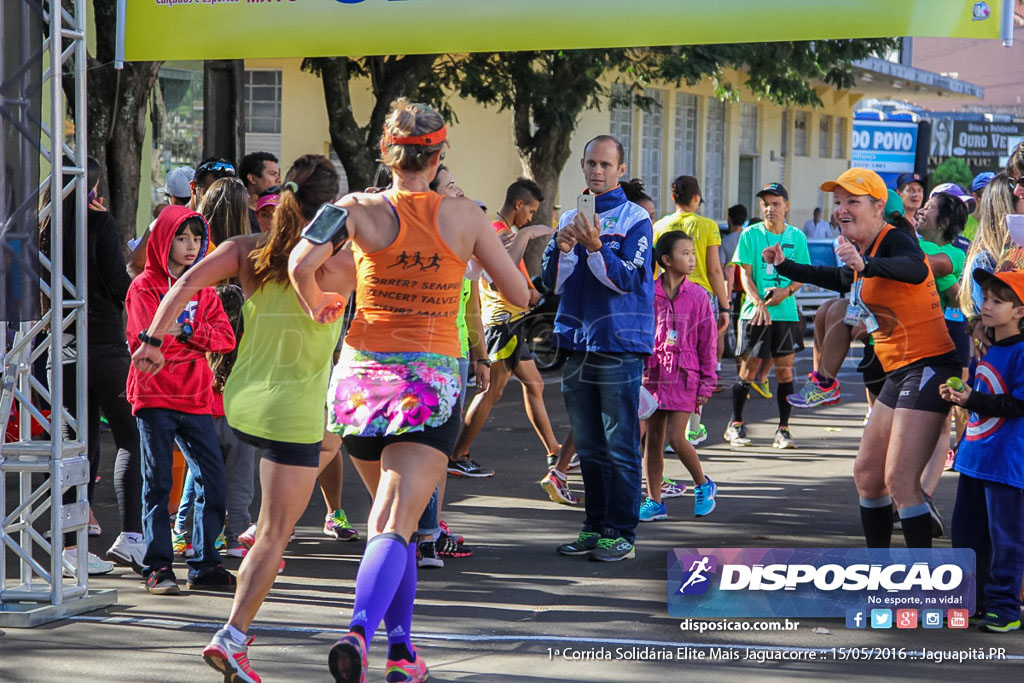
x=602, y=395
x=158, y=429
x=987, y=518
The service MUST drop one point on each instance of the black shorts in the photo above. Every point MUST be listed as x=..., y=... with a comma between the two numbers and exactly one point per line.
x=779, y=338
x=507, y=342
x=284, y=452
x=442, y=438
x=916, y=386
x=871, y=368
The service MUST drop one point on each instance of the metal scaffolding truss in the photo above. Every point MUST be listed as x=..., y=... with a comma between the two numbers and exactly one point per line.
x=42, y=469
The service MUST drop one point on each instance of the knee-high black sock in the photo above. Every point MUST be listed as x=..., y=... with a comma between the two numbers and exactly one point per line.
x=917, y=531
x=877, y=523
x=917, y=526
x=740, y=391
x=782, y=390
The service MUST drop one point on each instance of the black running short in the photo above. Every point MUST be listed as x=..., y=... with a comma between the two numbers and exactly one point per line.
x=284, y=452
x=507, y=342
x=442, y=438
x=779, y=338
x=916, y=386
x=872, y=371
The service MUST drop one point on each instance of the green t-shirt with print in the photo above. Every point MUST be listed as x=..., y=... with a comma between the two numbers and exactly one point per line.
x=753, y=241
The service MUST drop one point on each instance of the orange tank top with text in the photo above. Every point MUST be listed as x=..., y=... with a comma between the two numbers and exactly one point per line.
x=911, y=325
x=407, y=294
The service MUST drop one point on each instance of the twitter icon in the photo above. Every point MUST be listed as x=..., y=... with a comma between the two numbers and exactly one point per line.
x=881, y=618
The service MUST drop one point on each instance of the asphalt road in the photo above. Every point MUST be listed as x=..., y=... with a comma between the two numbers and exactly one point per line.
x=516, y=611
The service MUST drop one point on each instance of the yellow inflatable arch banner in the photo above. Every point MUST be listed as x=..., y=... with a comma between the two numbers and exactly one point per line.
x=234, y=29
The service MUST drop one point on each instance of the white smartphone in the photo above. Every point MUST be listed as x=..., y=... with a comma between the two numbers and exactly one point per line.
x=585, y=207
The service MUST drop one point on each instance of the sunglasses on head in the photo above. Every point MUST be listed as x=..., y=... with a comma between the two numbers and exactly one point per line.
x=216, y=167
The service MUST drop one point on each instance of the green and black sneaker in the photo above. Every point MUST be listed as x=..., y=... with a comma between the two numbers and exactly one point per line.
x=583, y=545
x=994, y=623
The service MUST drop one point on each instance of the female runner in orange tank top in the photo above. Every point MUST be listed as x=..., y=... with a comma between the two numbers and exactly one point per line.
x=394, y=394
x=889, y=275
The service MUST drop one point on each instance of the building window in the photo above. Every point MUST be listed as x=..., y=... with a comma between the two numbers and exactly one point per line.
x=748, y=128
x=714, y=167
x=263, y=111
x=621, y=125
x=839, y=138
x=824, y=136
x=685, y=134
x=263, y=101
x=650, y=145
x=800, y=126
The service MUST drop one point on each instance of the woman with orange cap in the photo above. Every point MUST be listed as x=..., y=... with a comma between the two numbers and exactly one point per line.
x=893, y=292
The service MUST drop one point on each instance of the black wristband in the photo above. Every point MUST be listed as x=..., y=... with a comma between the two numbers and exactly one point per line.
x=484, y=361
x=155, y=342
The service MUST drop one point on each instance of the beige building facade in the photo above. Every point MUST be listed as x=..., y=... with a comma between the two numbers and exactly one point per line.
x=732, y=147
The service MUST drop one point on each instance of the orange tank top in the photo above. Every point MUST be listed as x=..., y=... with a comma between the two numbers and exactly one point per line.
x=407, y=294
x=910, y=320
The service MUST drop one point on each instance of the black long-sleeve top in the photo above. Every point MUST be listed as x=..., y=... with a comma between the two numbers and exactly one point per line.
x=899, y=257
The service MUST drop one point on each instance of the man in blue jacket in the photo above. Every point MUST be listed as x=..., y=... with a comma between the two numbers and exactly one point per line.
x=605, y=320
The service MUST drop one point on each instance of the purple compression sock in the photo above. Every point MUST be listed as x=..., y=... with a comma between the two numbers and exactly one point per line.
x=380, y=574
x=398, y=617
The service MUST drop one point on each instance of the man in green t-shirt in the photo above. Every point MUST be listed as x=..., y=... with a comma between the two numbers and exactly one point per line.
x=770, y=319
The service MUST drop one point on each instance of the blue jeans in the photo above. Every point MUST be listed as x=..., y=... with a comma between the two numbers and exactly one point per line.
x=987, y=518
x=602, y=395
x=158, y=428
x=188, y=498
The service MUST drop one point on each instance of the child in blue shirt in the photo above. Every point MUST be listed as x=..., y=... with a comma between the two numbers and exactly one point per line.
x=989, y=512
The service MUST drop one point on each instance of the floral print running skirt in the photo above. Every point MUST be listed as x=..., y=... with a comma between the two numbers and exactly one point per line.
x=382, y=394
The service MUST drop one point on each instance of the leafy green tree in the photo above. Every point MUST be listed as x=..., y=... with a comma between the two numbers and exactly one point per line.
x=547, y=91
x=953, y=170
x=412, y=76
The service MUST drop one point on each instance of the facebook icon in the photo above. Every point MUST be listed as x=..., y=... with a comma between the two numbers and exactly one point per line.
x=856, y=618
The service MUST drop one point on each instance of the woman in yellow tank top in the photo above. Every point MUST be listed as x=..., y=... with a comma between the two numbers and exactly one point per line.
x=274, y=397
x=394, y=395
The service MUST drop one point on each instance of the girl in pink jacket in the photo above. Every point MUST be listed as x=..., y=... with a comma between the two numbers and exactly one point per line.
x=680, y=373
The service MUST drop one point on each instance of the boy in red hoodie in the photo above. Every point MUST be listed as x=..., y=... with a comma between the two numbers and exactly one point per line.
x=175, y=404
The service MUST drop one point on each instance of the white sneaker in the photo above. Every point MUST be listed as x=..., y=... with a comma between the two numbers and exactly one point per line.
x=95, y=565
x=128, y=550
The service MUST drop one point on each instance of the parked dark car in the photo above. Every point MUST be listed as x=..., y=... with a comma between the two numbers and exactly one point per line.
x=539, y=326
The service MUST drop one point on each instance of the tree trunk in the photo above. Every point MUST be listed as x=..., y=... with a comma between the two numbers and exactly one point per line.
x=347, y=138
x=116, y=119
x=391, y=77
x=223, y=109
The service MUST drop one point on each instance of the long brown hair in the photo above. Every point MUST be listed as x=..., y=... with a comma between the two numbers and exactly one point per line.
x=225, y=206
x=311, y=182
